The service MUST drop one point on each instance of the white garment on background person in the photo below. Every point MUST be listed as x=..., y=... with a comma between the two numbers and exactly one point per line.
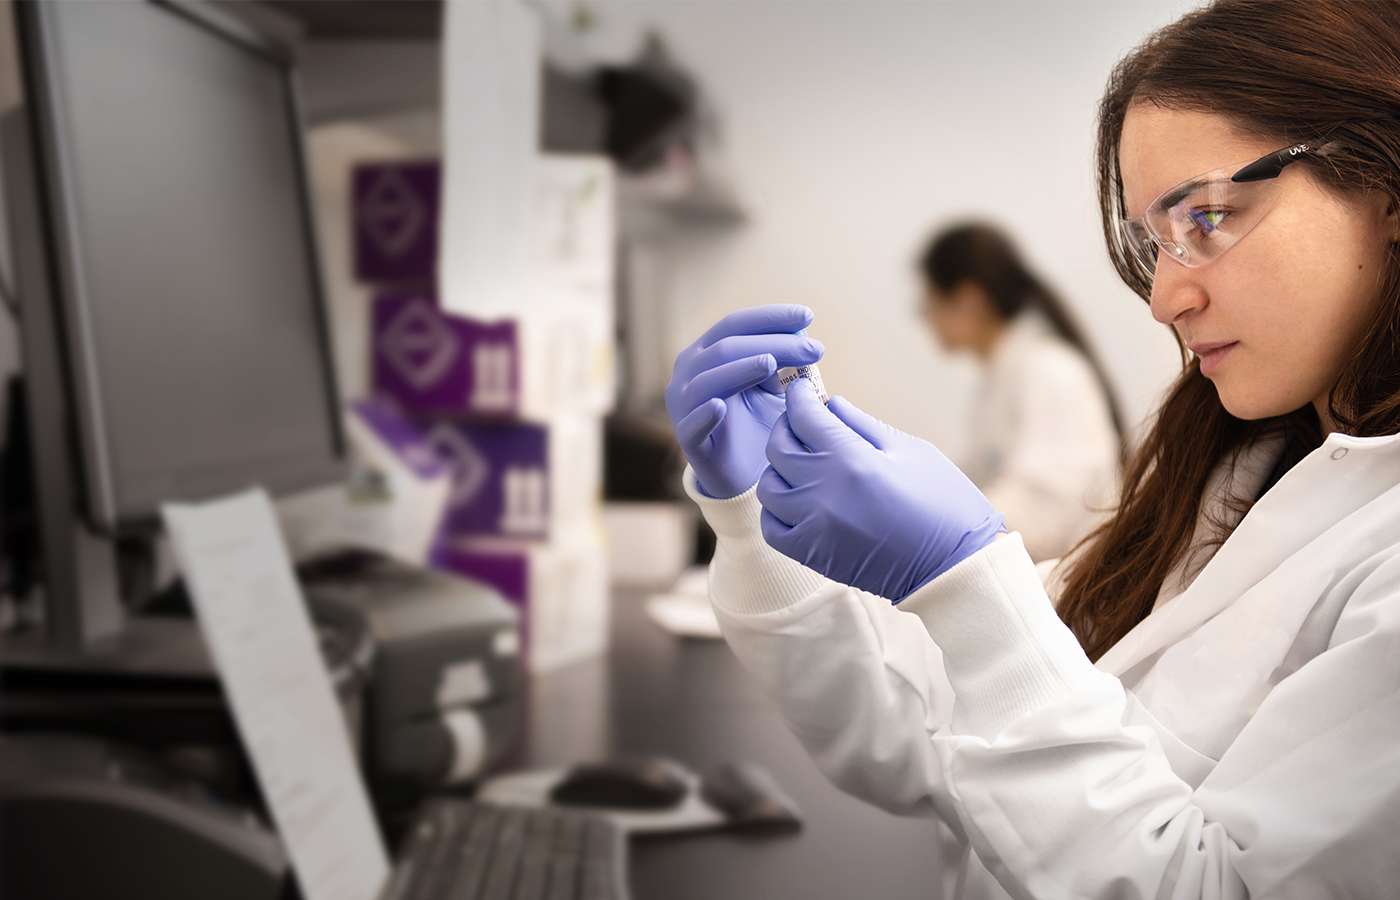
x=1044, y=449
x=1242, y=741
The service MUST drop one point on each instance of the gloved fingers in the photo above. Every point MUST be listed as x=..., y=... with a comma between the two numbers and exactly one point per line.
x=777, y=498
x=693, y=432
x=775, y=318
x=726, y=380
x=812, y=424
x=778, y=535
x=786, y=349
x=862, y=423
x=785, y=452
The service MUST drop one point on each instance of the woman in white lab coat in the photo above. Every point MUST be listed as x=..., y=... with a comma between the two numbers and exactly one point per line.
x=1210, y=707
x=1045, y=434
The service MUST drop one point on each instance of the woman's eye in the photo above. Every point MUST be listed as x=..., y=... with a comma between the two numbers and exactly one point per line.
x=1207, y=220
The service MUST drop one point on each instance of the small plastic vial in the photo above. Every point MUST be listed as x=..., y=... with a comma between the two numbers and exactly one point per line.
x=789, y=374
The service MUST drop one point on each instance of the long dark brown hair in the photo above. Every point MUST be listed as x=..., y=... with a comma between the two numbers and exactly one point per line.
x=983, y=254
x=1325, y=72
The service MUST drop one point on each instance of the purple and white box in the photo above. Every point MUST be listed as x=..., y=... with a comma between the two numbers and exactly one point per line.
x=429, y=361
x=500, y=478
x=396, y=221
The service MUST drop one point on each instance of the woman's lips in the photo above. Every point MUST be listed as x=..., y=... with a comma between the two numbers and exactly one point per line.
x=1213, y=355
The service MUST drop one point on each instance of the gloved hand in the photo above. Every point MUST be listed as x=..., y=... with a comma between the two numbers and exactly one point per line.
x=866, y=504
x=724, y=395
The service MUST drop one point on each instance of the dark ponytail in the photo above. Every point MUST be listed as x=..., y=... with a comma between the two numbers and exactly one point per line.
x=981, y=253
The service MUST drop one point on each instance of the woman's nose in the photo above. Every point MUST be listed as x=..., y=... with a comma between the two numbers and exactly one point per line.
x=1176, y=293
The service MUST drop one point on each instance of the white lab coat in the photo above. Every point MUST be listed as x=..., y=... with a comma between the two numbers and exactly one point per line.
x=1044, y=448
x=1242, y=741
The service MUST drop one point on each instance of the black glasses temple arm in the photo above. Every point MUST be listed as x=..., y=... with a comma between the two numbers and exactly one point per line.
x=1270, y=166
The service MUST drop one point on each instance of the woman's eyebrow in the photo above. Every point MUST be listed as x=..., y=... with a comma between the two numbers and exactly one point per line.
x=1181, y=191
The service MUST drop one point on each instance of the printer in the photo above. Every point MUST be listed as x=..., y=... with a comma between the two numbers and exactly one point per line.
x=441, y=702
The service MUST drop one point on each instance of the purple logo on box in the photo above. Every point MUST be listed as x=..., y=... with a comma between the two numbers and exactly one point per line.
x=500, y=483
x=420, y=344
x=469, y=469
x=432, y=362
x=396, y=213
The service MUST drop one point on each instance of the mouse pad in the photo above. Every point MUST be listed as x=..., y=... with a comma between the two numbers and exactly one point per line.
x=736, y=796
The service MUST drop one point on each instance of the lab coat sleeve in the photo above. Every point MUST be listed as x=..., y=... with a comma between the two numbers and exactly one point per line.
x=1059, y=465
x=860, y=683
x=1061, y=797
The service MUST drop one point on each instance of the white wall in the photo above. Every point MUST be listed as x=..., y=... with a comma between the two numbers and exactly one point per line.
x=856, y=128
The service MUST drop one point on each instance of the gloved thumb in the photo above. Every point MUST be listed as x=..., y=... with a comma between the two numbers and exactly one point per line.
x=810, y=420
x=862, y=423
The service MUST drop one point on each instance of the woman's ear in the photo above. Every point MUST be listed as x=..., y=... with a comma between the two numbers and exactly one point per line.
x=1392, y=221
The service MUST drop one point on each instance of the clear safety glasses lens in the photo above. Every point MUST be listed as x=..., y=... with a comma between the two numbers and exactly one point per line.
x=1201, y=218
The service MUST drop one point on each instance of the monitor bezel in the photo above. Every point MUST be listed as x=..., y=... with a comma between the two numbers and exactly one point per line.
x=62, y=237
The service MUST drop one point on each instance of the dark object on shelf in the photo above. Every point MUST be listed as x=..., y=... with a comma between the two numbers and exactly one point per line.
x=651, y=105
x=641, y=460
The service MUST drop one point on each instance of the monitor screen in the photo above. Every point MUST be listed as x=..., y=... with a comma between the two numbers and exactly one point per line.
x=197, y=345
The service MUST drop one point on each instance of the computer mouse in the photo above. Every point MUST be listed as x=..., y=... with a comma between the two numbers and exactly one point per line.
x=640, y=784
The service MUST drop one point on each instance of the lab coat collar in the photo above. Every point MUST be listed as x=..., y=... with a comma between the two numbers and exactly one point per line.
x=1026, y=329
x=1325, y=487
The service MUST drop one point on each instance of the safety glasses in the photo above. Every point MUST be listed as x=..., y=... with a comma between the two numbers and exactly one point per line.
x=1202, y=217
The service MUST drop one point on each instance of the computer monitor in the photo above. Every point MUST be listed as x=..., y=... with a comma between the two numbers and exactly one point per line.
x=167, y=237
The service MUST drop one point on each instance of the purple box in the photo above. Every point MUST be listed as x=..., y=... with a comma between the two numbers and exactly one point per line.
x=500, y=478
x=431, y=362
x=396, y=221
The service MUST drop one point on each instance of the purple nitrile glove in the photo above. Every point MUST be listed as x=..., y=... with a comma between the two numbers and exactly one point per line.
x=723, y=397
x=866, y=504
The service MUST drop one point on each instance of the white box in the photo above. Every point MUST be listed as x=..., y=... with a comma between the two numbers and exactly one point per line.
x=567, y=360
x=649, y=543
x=575, y=222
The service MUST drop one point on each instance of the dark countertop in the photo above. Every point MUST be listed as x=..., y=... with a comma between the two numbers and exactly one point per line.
x=658, y=694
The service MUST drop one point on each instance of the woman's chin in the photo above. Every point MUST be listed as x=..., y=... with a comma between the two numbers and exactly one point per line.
x=1252, y=405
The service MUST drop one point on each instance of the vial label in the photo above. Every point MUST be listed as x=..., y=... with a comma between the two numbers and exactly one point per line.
x=790, y=374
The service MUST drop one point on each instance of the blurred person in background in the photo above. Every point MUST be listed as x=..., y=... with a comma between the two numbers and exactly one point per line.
x=1045, y=433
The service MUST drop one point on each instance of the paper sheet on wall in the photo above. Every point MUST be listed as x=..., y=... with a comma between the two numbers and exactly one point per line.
x=250, y=609
x=491, y=111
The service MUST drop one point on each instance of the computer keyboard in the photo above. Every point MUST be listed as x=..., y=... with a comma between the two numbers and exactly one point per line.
x=462, y=850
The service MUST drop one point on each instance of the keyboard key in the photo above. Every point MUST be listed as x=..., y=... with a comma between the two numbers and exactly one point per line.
x=505, y=857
